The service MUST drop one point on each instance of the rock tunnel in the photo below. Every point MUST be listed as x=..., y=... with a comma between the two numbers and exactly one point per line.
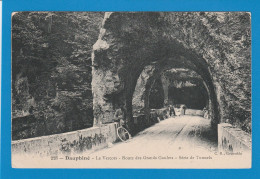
x=171, y=87
x=136, y=49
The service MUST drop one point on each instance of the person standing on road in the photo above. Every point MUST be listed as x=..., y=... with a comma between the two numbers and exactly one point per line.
x=172, y=111
x=183, y=109
x=122, y=133
x=119, y=117
x=205, y=112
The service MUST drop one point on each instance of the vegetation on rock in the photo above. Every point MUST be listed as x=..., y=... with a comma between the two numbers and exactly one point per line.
x=51, y=69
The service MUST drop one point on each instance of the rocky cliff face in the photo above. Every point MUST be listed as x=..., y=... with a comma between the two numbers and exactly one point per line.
x=51, y=71
x=217, y=46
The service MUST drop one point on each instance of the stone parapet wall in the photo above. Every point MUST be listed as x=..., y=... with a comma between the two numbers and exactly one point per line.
x=232, y=139
x=90, y=139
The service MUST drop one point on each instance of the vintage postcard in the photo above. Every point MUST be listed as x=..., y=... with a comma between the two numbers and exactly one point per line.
x=131, y=89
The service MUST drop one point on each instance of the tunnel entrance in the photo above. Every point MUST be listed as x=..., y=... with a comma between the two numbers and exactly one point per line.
x=131, y=68
x=142, y=45
x=160, y=86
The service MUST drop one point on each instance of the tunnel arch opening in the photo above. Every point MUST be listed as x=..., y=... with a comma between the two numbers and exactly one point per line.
x=133, y=49
x=129, y=42
x=173, y=75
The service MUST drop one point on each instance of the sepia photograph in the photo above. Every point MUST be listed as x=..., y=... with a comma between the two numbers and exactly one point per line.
x=92, y=89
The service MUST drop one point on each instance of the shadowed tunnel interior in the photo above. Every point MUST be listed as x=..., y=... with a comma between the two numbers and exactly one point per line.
x=182, y=89
x=192, y=97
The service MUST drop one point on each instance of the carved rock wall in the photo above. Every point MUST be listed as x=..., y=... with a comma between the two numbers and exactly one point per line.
x=215, y=45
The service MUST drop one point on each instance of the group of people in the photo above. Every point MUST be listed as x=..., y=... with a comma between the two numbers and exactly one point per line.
x=172, y=111
x=118, y=117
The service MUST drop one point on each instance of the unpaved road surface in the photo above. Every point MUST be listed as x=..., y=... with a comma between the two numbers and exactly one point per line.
x=181, y=134
x=179, y=142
